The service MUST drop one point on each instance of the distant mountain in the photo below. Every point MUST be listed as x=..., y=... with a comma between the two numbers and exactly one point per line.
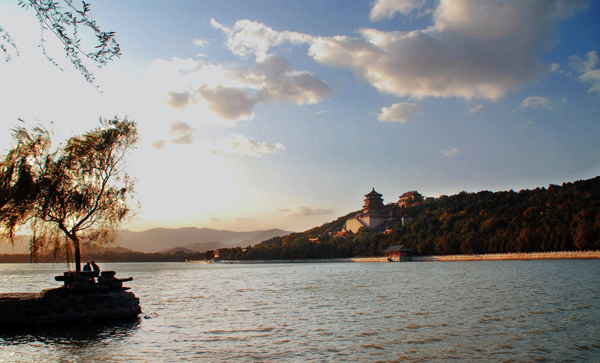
x=263, y=236
x=260, y=237
x=207, y=246
x=22, y=246
x=178, y=249
x=165, y=239
x=196, y=239
x=118, y=249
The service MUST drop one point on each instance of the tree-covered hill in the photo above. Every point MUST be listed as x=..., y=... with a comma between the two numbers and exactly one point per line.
x=558, y=218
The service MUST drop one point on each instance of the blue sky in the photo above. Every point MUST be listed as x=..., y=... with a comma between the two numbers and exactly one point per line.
x=278, y=114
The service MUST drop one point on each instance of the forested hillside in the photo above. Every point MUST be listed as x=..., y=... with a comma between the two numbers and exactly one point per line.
x=558, y=218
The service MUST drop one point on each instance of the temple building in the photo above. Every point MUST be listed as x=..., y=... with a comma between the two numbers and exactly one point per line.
x=372, y=216
x=409, y=198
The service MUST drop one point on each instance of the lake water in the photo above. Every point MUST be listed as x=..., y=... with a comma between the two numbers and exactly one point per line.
x=502, y=311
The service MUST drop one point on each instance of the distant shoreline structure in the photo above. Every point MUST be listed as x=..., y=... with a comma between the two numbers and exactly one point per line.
x=559, y=255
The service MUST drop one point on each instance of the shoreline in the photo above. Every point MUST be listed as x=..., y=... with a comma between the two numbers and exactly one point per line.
x=562, y=255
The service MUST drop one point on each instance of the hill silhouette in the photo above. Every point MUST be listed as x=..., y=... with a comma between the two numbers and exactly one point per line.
x=557, y=218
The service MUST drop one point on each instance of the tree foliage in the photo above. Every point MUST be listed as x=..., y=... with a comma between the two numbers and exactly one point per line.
x=79, y=193
x=63, y=19
x=559, y=218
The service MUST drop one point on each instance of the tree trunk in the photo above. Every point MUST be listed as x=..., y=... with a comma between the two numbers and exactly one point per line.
x=77, y=253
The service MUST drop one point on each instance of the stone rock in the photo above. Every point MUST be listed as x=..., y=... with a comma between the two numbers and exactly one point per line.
x=80, y=300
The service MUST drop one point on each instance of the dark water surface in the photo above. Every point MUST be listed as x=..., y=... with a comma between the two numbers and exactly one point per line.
x=502, y=311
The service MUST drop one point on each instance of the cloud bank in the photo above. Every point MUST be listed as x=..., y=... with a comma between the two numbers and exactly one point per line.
x=232, y=94
x=535, y=102
x=586, y=70
x=399, y=112
x=243, y=145
x=474, y=49
x=249, y=37
x=180, y=133
x=386, y=9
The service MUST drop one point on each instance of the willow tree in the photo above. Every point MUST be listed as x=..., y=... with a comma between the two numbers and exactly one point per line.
x=79, y=193
x=66, y=21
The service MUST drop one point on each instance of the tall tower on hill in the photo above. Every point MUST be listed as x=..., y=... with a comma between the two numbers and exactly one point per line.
x=373, y=213
x=373, y=205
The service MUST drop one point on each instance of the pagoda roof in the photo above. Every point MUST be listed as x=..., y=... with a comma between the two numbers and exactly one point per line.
x=373, y=193
x=409, y=194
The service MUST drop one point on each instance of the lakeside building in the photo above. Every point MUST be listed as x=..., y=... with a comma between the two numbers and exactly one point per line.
x=399, y=252
x=409, y=198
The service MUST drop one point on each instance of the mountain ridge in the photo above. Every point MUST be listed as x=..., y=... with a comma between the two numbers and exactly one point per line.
x=164, y=239
x=161, y=239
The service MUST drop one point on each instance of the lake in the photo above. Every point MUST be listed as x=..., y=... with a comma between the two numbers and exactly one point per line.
x=503, y=311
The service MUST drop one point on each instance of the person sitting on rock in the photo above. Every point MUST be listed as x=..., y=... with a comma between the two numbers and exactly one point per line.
x=95, y=267
x=87, y=267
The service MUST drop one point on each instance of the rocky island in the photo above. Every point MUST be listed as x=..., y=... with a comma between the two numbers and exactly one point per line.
x=85, y=297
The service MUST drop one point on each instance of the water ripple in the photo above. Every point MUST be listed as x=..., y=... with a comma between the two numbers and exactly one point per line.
x=471, y=311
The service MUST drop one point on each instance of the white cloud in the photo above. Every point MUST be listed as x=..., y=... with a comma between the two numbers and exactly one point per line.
x=180, y=133
x=243, y=145
x=586, y=69
x=475, y=49
x=535, y=102
x=158, y=144
x=554, y=67
x=475, y=109
x=584, y=66
x=449, y=152
x=178, y=99
x=229, y=103
x=250, y=37
x=386, y=9
x=200, y=42
x=279, y=82
x=233, y=93
x=398, y=112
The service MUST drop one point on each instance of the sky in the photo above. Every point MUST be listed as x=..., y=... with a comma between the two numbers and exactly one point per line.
x=278, y=114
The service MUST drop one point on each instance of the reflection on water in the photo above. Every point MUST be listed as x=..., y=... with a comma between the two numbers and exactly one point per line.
x=81, y=335
x=518, y=311
x=68, y=343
